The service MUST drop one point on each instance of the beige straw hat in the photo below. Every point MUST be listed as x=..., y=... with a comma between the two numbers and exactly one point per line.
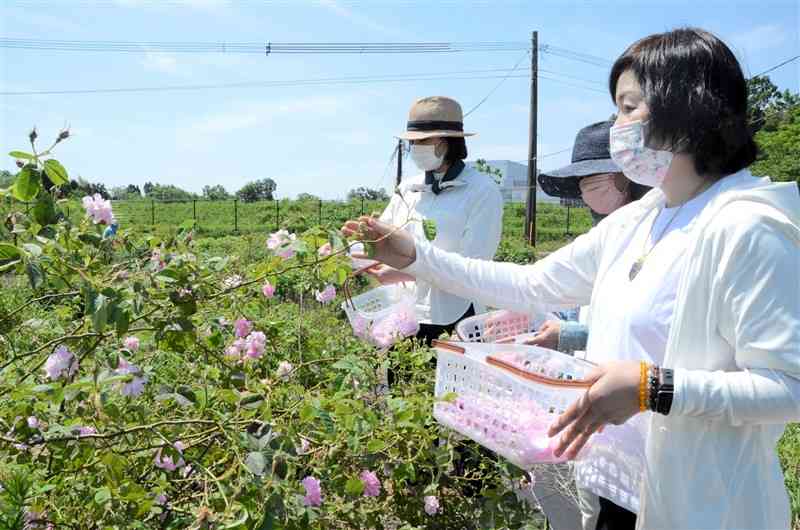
x=434, y=116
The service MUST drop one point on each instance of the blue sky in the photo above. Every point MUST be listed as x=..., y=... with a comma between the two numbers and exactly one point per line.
x=320, y=139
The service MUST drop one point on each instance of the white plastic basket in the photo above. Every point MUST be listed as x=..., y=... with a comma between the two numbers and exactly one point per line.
x=501, y=326
x=383, y=315
x=505, y=396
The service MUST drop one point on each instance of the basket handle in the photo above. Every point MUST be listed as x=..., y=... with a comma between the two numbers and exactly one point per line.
x=445, y=345
x=543, y=379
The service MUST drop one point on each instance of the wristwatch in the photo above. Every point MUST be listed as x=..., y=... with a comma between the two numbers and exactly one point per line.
x=666, y=390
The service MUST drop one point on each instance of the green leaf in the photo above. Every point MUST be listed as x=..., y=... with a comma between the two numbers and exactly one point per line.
x=100, y=312
x=27, y=184
x=44, y=212
x=102, y=496
x=21, y=154
x=33, y=249
x=354, y=486
x=9, y=252
x=255, y=463
x=56, y=172
x=375, y=445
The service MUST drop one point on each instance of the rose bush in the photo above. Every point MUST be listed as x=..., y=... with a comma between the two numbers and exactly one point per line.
x=146, y=383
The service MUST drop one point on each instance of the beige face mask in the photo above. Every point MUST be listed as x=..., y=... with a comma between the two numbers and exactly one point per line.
x=425, y=157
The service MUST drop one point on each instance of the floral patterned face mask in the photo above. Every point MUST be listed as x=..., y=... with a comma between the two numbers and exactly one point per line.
x=641, y=164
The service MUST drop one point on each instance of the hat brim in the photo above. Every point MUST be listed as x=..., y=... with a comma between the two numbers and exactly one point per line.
x=422, y=135
x=563, y=182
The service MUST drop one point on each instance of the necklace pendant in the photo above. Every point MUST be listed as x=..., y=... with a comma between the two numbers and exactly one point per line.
x=635, y=268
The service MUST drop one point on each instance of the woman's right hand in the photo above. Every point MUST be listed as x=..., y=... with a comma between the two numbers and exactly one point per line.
x=386, y=243
x=386, y=275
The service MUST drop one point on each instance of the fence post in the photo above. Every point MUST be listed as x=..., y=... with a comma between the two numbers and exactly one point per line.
x=362, y=205
x=277, y=214
x=235, y=215
x=319, y=211
x=194, y=210
x=152, y=212
x=567, y=218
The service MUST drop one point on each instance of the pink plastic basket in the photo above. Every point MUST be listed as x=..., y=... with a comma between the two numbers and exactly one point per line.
x=501, y=326
x=505, y=396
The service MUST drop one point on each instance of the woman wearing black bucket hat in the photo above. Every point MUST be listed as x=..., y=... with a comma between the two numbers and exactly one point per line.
x=592, y=175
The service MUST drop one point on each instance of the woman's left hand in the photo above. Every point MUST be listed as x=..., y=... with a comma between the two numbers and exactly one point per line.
x=612, y=398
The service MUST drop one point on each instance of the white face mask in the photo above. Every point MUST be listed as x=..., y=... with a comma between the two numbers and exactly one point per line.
x=425, y=157
x=641, y=164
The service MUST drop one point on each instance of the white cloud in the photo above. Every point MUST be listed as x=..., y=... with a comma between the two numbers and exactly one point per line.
x=761, y=38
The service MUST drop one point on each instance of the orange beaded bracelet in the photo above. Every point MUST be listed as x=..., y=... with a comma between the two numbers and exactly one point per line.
x=643, y=397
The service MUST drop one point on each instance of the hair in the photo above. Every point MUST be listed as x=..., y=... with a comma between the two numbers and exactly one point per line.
x=697, y=95
x=456, y=149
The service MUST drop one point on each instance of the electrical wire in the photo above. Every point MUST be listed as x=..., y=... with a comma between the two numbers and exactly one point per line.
x=768, y=70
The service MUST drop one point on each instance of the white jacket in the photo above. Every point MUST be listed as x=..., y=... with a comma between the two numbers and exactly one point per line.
x=469, y=221
x=734, y=344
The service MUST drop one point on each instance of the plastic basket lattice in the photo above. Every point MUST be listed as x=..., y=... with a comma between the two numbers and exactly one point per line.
x=500, y=326
x=383, y=315
x=505, y=396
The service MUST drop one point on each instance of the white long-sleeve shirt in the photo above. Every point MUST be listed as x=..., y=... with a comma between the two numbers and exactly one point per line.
x=734, y=343
x=469, y=221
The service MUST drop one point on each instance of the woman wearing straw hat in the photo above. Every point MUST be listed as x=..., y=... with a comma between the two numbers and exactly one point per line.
x=462, y=205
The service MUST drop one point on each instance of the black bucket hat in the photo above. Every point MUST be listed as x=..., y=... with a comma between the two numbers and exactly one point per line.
x=590, y=156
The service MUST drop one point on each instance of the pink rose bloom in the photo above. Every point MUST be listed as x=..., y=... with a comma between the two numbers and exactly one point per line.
x=281, y=242
x=256, y=342
x=135, y=386
x=284, y=370
x=431, y=505
x=33, y=422
x=243, y=327
x=166, y=462
x=305, y=445
x=98, y=209
x=61, y=363
x=268, y=290
x=233, y=352
x=372, y=486
x=325, y=250
x=156, y=260
x=313, y=495
x=132, y=343
x=161, y=499
x=86, y=431
x=326, y=295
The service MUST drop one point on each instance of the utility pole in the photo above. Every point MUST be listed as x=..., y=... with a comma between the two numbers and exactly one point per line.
x=399, y=162
x=530, y=205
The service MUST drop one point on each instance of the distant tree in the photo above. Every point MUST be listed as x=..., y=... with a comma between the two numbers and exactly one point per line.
x=259, y=190
x=215, y=193
x=779, y=150
x=368, y=194
x=167, y=192
x=83, y=187
x=307, y=197
x=768, y=107
x=125, y=193
x=134, y=191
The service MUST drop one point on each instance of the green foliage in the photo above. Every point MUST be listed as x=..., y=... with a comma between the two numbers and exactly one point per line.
x=79, y=449
x=368, y=194
x=779, y=149
x=259, y=190
x=166, y=192
x=216, y=193
x=767, y=106
x=484, y=167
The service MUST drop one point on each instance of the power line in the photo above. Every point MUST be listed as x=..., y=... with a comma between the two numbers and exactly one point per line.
x=494, y=73
x=260, y=48
x=787, y=61
x=493, y=90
